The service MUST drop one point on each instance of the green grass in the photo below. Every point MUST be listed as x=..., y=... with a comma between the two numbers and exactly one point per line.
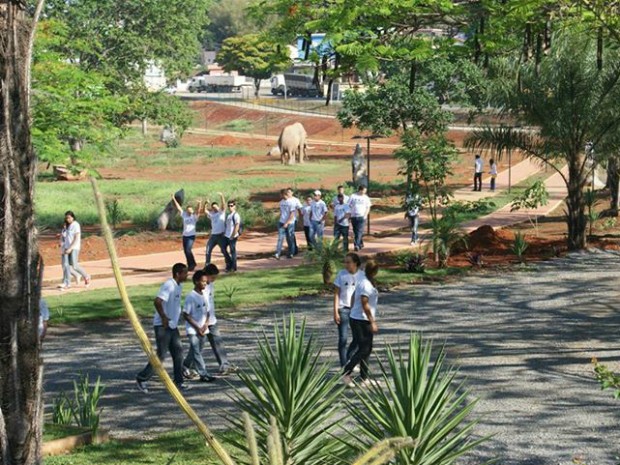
x=52, y=431
x=238, y=125
x=185, y=447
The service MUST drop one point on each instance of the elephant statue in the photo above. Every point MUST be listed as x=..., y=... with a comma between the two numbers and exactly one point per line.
x=292, y=144
x=358, y=166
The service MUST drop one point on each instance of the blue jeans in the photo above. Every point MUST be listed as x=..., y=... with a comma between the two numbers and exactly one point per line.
x=413, y=224
x=188, y=243
x=194, y=356
x=216, y=239
x=343, y=334
x=288, y=233
x=316, y=233
x=358, y=231
x=166, y=340
x=231, y=258
x=342, y=231
x=71, y=267
x=215, y=339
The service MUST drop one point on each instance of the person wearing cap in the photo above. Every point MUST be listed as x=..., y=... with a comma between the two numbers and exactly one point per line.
x=342, y=213
x=318, y=211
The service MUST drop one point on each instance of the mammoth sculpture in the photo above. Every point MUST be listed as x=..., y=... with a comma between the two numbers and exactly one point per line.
x=292, y=144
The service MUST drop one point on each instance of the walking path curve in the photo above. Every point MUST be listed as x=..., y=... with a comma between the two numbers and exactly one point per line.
x=155, y=268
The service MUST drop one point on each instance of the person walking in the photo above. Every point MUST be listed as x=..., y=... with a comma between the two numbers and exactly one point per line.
x=335, y=201
x=413, y=203
x=286, y=226
x=344, y=286
x=363, y=323
x=360, y=208
x=318, y=212
x=190, y=219
x=217, y=216
x=71, y=243
x=342, y=214
x=306, y=210
x=196, y=316
x=214, y=335
x=165, y=324
x=44, y=316
x=231, y=233
x=477, y=173
x=493, y=173
x=296, y=207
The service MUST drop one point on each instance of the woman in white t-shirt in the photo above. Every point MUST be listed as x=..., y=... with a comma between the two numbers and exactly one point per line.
x=190, y=219
x=70, y=245
x=363, y=323
x=344, y=286
x=493, y=173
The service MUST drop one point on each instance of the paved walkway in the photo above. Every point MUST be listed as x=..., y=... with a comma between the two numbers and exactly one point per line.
x=523, y=340
x=154, y=268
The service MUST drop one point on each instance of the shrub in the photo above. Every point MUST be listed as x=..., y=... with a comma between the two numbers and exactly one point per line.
x=532, y=198
x=412, y=262
x=446, y=235
x=592, y=215
x=62, y=410
x=417, y=398
x=607, y=378
x=115, y=212
x=83, y=408
x=328, y=256
x=462, y=211
x=519, y=246
x=475, y=259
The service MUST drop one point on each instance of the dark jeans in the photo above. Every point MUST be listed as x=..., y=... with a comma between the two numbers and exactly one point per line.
x=358, y=231
x=288, y=233
x=362, y=340
x=492, y=183
x=342, y=231
x=413, y=224
x=194, y=355
x=215, y=339
x=188, y=243
x=343, y=334
x=166, y=340
x=231, y=258
x=477, y=181
x=308, y=238
x=219, y=240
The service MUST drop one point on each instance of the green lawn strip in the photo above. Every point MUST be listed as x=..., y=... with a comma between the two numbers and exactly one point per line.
x=249, y=290
x=185, y=447
x=52, y=431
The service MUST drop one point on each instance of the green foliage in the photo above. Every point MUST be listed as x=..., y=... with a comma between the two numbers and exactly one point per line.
x=419, y=398
x=519, y=246
x=532, y=198
x=229, y=291
x=607, y=378
x=412, y=262
x=445, y=236
x=62, y=410
x=160, y=108
x=83, y=408
x=287, y=381
x=115, y=212
x=469, y=210
x=327, y=255
x=239, y=125
x=591, y=200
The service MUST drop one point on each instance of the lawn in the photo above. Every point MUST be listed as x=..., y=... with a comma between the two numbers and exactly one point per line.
x=52, y=431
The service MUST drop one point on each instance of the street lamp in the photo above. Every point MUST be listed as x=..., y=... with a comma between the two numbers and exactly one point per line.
x=368, y=139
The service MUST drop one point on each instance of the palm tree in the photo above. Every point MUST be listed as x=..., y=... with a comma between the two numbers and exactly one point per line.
x=566, y=100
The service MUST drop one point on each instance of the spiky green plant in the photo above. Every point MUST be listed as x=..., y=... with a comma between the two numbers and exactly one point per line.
x=419, y=398
x=328, y=256
x=288, y=382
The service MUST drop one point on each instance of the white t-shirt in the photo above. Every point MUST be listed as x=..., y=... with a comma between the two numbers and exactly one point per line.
x=170, y=293
x=318, y=210
x=305, y=211
x=189, y=224
x=360, y=205
x=346, y=281
x=494, y=169
x=196, y=307
x=295, y=205
x=335, y=199
x=285, y=210
x=478, y=165
x=217, y=222
x=340, y=213
x=44, y=315
x=364, y=288
x=232, y=220
x=69, y=233
x=413, y=202
x=209, y=296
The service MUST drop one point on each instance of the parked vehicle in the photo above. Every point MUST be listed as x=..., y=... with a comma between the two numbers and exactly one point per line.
x=218, y=83
x=277, y=84
x=300, y=85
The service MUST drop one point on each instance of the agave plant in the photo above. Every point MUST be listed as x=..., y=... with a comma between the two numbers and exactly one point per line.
x=328, y=257
x=287, y=382
x=418, y=398
x=446, y=235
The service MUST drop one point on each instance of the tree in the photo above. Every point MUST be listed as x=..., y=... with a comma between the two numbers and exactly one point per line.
x=254, y=56
x=20, y=370
x=228, y=18
x=568, y=101
x=532, y=198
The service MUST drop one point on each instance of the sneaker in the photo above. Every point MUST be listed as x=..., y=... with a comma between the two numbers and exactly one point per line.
x=228, y=369
x=87, y=281
x=78, y=280
x=142, y=386
x=189, y=374
x=183, y=387
x=348, y=381
x=365, y=383
x=63, y=286
x=277, y=256
x=207, y=379
x=356, y=369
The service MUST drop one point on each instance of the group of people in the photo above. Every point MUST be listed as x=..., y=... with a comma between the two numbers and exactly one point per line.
x=479, y=169
x=198, y=312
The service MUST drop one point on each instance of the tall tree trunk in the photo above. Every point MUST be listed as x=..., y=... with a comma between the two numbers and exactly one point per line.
x=613, y=183
x=145, y=128
x=413, y=74
x=576, y=219
x=20, y=367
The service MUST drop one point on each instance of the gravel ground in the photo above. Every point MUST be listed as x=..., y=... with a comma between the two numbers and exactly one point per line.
x=524, y=341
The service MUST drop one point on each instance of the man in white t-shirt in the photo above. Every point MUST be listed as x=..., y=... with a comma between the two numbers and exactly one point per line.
x=165, y=322
x=306, y=211
x=318, y=212
x=296, y=207
x=231, y=233
x=360, y=208
x=196, y=316
x=342, y=214
x=190, y=219
x=339, y=190
x=344, y=287
x=478, y=164
x=286, y=225
x=44, y=316
x=217, y=215
x=413, y=203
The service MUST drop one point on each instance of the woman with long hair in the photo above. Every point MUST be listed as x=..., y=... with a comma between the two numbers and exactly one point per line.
x=344, y=287
x=71, y=243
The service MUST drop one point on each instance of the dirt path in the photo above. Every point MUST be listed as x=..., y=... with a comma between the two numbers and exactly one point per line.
x=524, y=342
x=154, y=268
